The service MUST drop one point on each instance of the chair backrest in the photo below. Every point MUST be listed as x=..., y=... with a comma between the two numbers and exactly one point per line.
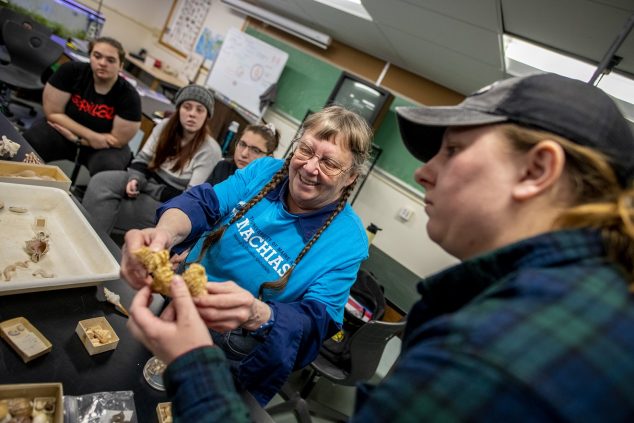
x=7, y=14
x=366, y=348
x=30, y=50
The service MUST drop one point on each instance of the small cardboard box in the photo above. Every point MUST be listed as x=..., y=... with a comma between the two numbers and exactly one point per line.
x=37, y=393
x=164, y=412
x=94, y=345
x=24, y=338
x=33, y=174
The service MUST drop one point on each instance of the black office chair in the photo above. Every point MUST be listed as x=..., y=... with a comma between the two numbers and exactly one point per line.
x=366, y=348
x=31, y=53
x=7, y=14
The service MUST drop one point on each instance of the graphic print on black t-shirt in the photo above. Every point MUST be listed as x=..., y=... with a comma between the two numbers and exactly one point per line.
x=89, y=108
x=102, y=111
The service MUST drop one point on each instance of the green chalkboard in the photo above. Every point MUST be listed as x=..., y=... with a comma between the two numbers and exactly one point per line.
x=395, y=158
x=306, y=83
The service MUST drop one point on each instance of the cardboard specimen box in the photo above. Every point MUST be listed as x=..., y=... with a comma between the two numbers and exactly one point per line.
x=97, y=335
x=44, y=398
x=164, y=412
x=33, y=174
x=24, y=338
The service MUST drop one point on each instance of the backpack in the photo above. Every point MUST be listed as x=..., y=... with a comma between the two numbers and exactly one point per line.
x=366, y=302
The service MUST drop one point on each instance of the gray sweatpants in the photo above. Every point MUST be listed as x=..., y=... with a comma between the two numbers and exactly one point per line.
x=107, y=202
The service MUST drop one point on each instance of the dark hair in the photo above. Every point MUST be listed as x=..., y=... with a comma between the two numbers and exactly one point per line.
x=327, y=123
x=108, y=40
x=169, y=144
x=268, y=132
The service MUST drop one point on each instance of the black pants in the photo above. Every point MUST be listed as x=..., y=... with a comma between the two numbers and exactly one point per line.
x=51, y=145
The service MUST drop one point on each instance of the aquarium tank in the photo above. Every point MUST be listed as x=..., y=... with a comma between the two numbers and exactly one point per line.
x=67, y=18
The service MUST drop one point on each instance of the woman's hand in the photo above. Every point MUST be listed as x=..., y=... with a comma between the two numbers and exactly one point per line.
x=229, y=307
x=175, y=332
x=132, y=188
x=177, y=259
x=100, y=141
x=131, y=269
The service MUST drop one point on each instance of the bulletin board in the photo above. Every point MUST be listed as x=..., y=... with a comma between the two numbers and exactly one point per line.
x=184, y=23
x=245, y=68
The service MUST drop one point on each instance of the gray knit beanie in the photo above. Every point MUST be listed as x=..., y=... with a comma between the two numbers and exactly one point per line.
x=198, y=93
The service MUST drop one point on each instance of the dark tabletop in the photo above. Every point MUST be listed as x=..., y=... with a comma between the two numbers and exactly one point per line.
x=56, y=313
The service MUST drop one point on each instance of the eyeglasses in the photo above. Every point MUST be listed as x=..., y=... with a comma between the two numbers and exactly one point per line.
x=252, y=149
x=328, y=166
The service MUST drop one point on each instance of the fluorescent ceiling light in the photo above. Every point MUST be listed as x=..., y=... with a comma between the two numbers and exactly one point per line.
x=523, y=57
x=353, y=7
x=300, y=31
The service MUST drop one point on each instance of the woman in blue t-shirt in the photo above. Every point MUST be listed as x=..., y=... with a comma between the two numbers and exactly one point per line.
x=281, y=245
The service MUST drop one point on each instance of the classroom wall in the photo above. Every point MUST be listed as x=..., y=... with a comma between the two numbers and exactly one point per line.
x=383, y=195
x=138, y=24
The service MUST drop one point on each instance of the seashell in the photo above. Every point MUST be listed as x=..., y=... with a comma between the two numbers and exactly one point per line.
x=32, y=158
x=37, y=247
x=44, y=405
x=41, y=418
x=1, y=205
x=16, y=209
x=4, y=410
x=20, y=407
x=8, y=147
x=43, y=273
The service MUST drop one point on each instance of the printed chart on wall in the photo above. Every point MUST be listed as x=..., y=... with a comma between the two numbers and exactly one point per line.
x=183, y=25
x=245, y=68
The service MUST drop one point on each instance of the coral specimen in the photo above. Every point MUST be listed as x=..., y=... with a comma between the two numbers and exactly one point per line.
x=158, y=265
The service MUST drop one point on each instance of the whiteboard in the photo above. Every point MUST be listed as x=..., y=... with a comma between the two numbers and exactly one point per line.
x=245, y=68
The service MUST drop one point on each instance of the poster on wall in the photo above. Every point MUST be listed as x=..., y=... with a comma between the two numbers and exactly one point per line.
x=183, y=25
x=245, y=69
x=208, y=44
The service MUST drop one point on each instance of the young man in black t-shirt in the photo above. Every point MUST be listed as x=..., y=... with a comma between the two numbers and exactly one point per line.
x=88, y=106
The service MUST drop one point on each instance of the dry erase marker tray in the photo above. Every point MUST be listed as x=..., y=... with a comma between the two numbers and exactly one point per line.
x=74, y=256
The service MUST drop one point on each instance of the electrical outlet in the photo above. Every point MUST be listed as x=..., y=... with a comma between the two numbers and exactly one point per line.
x=405, y=214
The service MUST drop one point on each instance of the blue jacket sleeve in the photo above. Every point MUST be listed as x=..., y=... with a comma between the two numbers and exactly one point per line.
x=201, y=205
x=293, y=342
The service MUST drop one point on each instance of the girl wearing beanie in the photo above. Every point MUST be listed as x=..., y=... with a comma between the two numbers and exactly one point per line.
x=179, y=154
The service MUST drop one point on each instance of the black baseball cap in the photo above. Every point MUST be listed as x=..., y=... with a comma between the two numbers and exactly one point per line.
x=577, y=111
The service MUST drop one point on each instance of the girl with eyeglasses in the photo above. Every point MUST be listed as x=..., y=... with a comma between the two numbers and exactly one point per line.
x=255, y=141
x=281, y=247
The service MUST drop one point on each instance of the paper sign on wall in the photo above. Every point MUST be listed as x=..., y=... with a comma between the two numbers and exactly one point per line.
x=245, y=68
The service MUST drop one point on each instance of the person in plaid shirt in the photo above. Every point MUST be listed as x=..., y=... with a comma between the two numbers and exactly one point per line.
x=529, y=182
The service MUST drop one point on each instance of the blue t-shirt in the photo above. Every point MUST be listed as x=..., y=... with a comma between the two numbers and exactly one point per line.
x=264, y=243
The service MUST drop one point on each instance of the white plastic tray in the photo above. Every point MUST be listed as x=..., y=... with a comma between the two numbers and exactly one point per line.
x=77, y=256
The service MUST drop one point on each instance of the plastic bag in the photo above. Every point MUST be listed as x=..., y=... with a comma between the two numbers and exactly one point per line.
x=100, y=407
